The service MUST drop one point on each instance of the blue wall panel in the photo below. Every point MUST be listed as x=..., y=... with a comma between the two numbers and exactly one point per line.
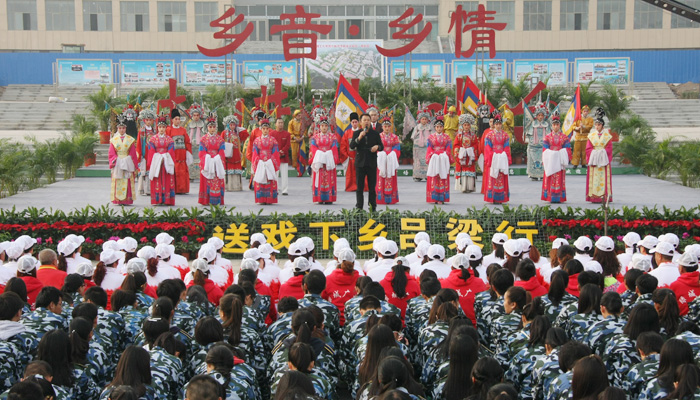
x=672, y=66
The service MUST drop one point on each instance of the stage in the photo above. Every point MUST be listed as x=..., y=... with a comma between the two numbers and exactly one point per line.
x=628, y=191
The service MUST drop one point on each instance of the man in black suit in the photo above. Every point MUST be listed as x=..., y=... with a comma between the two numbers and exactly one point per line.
x=374, y=120
x=366, y=143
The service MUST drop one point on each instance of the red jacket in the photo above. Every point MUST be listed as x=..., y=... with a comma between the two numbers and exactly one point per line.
x=150, y=291
x=33, y=288
x=466, y=290
x=49, y=275
x=412, y=290
x=533, y=286
x=686, y=288
x=214, y=293
x=340, y=287
x=88, y=283
x=573, y=289
x=292, y=287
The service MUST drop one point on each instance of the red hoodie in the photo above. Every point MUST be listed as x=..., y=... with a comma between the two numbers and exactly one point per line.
x=686, y=288
x=292, y=287
x=533, y=286
x=466, y=290
x=412, y=290
x=214, y=293
x=33, y=288
x=572, y=288
x=49, y=275
x=340, y=287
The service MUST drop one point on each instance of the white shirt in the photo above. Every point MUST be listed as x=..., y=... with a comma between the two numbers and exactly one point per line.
x=271, y=269
x=113, y=279
x=223, y=262
x=380, y=269
x=413, y=258
x=624, y=259
x=666, y=273
x=165, y=271
x=286, y=272
x=369, y=264
x=72, y=263
x=217, y=274
x=492, y=259
x=332, y=265
x=8, y=271
x=441, y=269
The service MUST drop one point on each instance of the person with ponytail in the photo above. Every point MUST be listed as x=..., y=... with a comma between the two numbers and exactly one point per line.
x=136, y=282
x=674, y=353
x=526, y=271
x=554, y=263
x=67, y=251
x=55, y=348
x=605, y=260
x=106, y=274
x=649, y=346
x=557, y=298
x=240, y=336
x=463, y=354
x=686, y=383
x=522, y=363
x=73, y=290
x=220, y=362
x=92, y=360
x=133, y=371
x=588, y=379
x=393, y=378
x=666, y=306
x=497, y=255
x=302, y=359
x=418, y=308
x=378, y=338
x=546, y=369
x=489, y=304
x=445, y=308
x=125, y=303
x=513, y=253
x=486, y=373
x=200, y=276
x=158, y=266
x=464, y=278
x=522, y=337
x=630, y=240
x=588, y=312
x=340, y=284
x=217, y=274
x=399, y=285
x=505, y=326
x=129, y=246
x=598, y=334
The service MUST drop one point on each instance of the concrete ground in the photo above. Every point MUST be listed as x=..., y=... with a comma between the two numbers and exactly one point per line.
x=628, y=190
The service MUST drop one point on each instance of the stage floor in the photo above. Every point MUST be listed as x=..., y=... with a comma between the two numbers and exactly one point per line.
x=628, y=190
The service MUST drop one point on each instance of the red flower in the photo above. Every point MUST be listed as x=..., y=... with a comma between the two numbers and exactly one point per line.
x=185, y=239
x=200, y=239
x=143, y=240
x=49, y=240
x=552, y=237
x=99, y=242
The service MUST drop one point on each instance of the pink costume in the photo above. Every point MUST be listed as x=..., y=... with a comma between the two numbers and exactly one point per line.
x=387, y=164
x=265, y=163
x=438, y=157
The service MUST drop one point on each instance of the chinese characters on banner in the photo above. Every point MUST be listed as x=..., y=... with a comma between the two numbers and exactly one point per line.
x=300, y=33
x=282, y=233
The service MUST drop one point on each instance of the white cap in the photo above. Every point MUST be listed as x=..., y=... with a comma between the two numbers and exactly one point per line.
x=128, y=244
x=403, y=261
x=376, y=243
x=631, y=238
x=146, y=253
x=558, y=242
x=583, y=243
x=525, y=244
x=688, y=260
x=422, y=249
x=693, y=248
x=301, y=264
x=499, y=238
x=463, y=243
x=641, y=262
x=436, y=250
x=649, y=242
x=461, y=236
x=27, y=241
x=346, y=255
x=605, y=243
x=5, y=245
x=66, y=247
x=295, y=249
x=473, y=252
x=460, y=261
x=86, y=269
x=14, y=250
x=258, y=237
x=216, y=242
x=27, y=264
x=109, y=256
x=388, y=248
x=671, y=238
x=164, y=251
x=136, y=264
x=111, y=245
x=207, y=252
x=79, y=239
x=253, y=253
x=339, y=245
x=421, y=237
x=306, y=244
x=164, y=238
x=200, y=264
x=512, y=247
x=267, y=250
x=664, y=248
x=249, y=263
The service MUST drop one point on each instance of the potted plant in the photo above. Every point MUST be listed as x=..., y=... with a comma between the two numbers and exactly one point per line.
x=518, y=152
x=102, y=103
x=407, y=152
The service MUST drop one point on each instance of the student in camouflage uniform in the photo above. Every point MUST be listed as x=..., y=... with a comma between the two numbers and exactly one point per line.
x=690, y=332
x=587, y=312
x=208, y=332
x=166, y=368
x=95, y=363
x=283, y=326
x=600, y=332
x=569, y=354
x=521, y=365
x=463, y=354
x=629, y=295
x=620, y=352
x=110, y=331
x=557, y=298
x=546, y=368
x=489, y=305
x=645, y=286
x=418, y=308
x=252, y=318
x=125, y=303
x=522, y=337
x=674, y=353
x=301, y=358
x=263, y=295
x=47, y=315
x=135, y=281
x=352, y=309
x=649, y=346
x=220, y=363
x=131, y=372
x=22, y=341
x=72, y=290
x=241, y=336
x=54, y=348
x=183, y=318
x=313, y=285
x=434, y=333
x=352, y=332
x=507, y=324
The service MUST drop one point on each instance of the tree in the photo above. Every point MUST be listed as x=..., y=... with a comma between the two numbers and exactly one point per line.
x=614, y=101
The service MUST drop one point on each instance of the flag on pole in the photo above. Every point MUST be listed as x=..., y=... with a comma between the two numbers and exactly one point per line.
x=471, y=96
x=574, y=113
x=347, y=100
x=408, y=121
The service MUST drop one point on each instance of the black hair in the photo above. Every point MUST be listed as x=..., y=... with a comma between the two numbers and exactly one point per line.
x=121, y=299
x=556, y=337
x=502, y=391
x=571, y=352
x=534, y=309
x=498, y=250
x=248, y=275
x=162, y=307
x=293, y=385
x=55, y=349
x=573, y=267
x=589, y=378
x=379, y=337
x=400, y=280
x=643, y=318
x=485, y=373
x=370, y=303
x=586, y=277
x=26, y=390
x=501, y=280
x=674, y=353
x=559, y=281
x=374, y=289
x=96, y=295
x=539, y=327
x=589, y=299
x=443, y=297
x=669, y=314
x=649, y=342
x=221, y=358
x=133, y=370
x=231, y=306
x=85, y=310
x=204, y=387
x=287, y=304
x=208, y=330
x=526, y=269
x=71, y=284
x=430, y=286
x=80, y=329
x=612, y=302
x=687, y=379
x=315, y=281
x=170, y=289
x=631, y=278
x=612, y=393
x=154, y=327
x=463, y=354
x=134, y=282
x=301, y=355
x=10, y=305
x=646, y=284
x=688, y=326
x=17, y=285
x=519, y=296
x=48, y=295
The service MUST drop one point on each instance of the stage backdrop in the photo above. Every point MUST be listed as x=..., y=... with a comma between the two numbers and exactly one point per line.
x=352, y=58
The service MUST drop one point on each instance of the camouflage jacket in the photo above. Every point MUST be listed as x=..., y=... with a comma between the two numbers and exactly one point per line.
x=565, y=314
x=552, y=311
x=600, y=333
x=520, y=370
x=352, y=332
x=506, y=325
x=237, y=389
x=10, y=368
x=185, y=317
x=331, y=315
x=143, y=300
x=639, y=375
x=25, y=341
x=545, y=370
x=514, y=344
x=133, y=319
x=644, y=298
x=325, y=360
x=168, y=377
x=627, y=298
x=620, y=355
x=693, y=340
x=560, y=388
x=42, y=320
x=653, y=391
x=579, y=324
x=84, y=388
x=110, y=332
x=149, y=395
x=417, y=311
x=322, y=385
x=353, y=312
x=277, y=330
x=486, y=311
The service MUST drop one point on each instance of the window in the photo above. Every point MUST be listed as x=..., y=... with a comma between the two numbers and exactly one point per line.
x=318, y=10
x=21, y=15
x=611, y=14
x=97, y=15
x=204, y=13
x=395, y=11
x=574, y=15
x=505, y=12
x=369, y=11
x=172, y=16
x=647, y=16
x=678, y=21
x=383, y=30
x=259, y=11
x=537, y=15
x=60, y=15
x=467, y=6
x=134, y=16
x=72, y=48
x=353, y=11
x=433, y=10
x=275, y=11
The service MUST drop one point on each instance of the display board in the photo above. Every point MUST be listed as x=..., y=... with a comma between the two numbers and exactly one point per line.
x=83, y=72
x=353, y=58
x=610, y=70
x=146, y=72
x=259, y=73
x=554, y=72
x=418, y=69
x=495, y=69
x=207, y=72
